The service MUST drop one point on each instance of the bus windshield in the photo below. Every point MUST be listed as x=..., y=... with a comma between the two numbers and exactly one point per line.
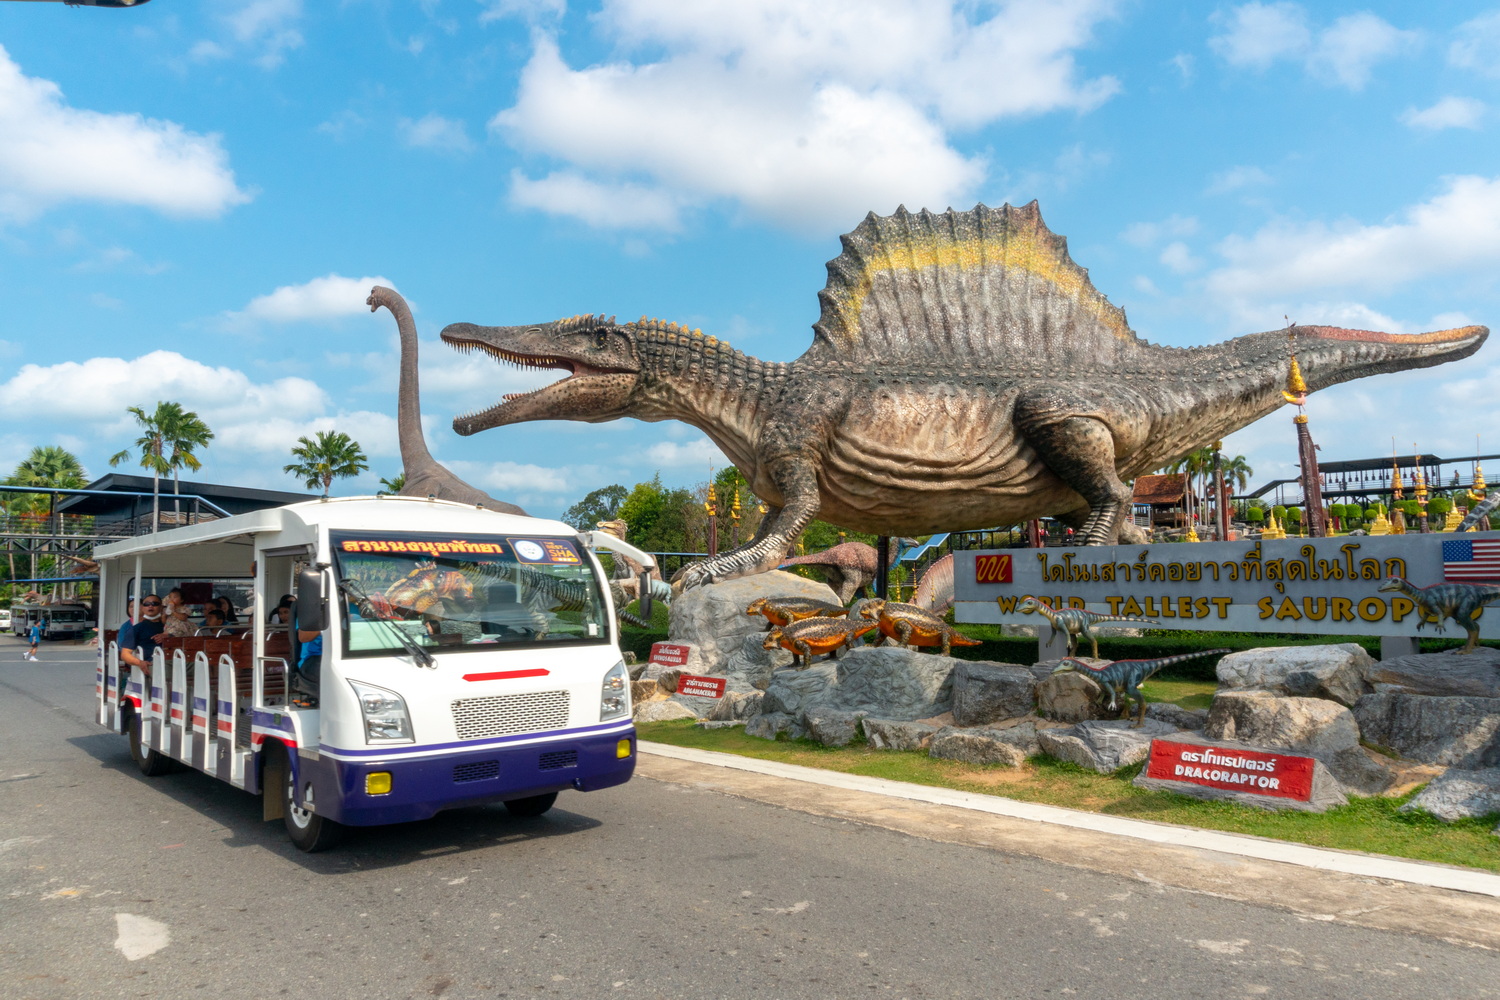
x=464, y=593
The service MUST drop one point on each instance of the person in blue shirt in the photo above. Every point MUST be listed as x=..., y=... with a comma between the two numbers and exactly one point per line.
x=309, y=667
x=35, y=635
x=138, y=638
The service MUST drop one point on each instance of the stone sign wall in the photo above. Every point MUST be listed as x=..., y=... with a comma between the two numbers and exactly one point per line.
x=1319, y=586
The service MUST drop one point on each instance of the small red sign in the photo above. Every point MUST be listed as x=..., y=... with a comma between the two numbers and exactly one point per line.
x=669, y=654
x=703, y=687
x=992, y=569
x=1254, y=771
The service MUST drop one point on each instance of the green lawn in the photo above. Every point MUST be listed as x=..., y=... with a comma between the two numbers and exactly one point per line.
x=1187, y=693
x=1372, y=825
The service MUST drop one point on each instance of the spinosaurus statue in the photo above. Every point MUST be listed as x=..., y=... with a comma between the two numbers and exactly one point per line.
x=425, y=477
x=964, y=373
x=1459, y=601
x=848, y=567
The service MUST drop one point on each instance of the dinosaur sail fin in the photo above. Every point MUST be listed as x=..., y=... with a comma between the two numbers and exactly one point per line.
x=984, y=285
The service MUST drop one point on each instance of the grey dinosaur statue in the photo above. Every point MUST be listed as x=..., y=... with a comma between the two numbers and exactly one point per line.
x=964, y=373
x=1460, y=601
x=1076, y=623
x=1121, y=680
x=425, y=477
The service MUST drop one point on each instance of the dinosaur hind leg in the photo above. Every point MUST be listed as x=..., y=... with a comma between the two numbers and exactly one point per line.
x=1465, y=621
x=1081, y=452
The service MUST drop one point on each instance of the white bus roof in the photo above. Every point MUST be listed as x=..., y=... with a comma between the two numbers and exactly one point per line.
x=297, y=524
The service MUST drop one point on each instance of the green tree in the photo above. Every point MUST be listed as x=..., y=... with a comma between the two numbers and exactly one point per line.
x=47, y=466
x=183, y=434
x=602, y=504
x=153, y=452
x=1439, y=507
x=1254, y=515
x=1237, y=471
x=395, y=484
x=331, y=455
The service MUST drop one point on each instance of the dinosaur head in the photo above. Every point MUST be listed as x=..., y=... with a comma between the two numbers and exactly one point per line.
x=870, y=609
x=773, y=639
x=1028, y=606
x=756, y=606
x=1391, y=583
x=599, y=355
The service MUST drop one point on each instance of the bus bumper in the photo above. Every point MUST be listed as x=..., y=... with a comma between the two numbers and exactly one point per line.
x=421, y=787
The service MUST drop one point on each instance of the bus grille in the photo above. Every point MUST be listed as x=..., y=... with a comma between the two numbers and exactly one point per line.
x=556, y=760
x=508, y=714
x=478, y=770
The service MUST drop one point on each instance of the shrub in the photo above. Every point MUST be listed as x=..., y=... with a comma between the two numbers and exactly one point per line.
x=1254, y=515
x=1439, y=506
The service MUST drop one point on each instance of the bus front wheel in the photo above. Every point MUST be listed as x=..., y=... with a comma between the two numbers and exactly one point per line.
x=307, y=830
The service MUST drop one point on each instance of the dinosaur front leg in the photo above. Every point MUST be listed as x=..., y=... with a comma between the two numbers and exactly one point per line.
x=798, y=482
x=805, y=650
x=1080, y=450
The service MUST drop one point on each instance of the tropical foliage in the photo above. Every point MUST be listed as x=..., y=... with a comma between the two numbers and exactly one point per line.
x=170, y=440
x=328, y=456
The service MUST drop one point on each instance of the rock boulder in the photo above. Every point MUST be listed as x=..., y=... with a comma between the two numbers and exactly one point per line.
x=1454, y=731
x=976, y=746
x=1104, y=746
x=1448, y=674
x=713, y=622
x=833, y=728
x=772, y=724
x=1336, y=671
x=662, y=710
x=1310, y=726
x=988, y=692
x=1069, y=696
x=890, y=734
x=1460, y=794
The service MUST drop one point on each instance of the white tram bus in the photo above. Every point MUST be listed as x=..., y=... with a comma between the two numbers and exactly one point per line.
x=467, y=657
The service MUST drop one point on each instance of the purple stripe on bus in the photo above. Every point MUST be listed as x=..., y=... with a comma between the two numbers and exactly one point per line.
x=397, y=749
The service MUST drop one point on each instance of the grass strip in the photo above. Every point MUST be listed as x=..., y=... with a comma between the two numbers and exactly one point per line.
x=1373, y=825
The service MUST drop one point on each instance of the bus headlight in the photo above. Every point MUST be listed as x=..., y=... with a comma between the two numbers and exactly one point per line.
x=614, y=697
x=386, y=718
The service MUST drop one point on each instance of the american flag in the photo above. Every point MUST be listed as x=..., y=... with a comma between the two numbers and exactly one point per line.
x=1467, y=561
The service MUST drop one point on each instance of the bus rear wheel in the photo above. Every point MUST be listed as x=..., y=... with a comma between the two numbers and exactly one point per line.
x=307, y=830
x=152, y=763
x=533, y=805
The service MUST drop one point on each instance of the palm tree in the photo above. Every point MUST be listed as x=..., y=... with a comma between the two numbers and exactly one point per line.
x=48, y=466
x=395, y=484
x=1194, y=464
x=152, y=444
x=1238, y=471
x=182, y=431
x=333, y=455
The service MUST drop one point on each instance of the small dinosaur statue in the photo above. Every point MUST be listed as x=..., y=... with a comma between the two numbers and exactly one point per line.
x=813, y=636
x=785, y=610
x=1459, y=601
x=1122, y=679
x=848, y=567
x=425, y=477
x=1076, y=622
x=964, y=373
x=626, y=576
x=912, y=626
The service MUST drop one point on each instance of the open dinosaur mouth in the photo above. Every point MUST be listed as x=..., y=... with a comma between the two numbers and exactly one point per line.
x=575, y=370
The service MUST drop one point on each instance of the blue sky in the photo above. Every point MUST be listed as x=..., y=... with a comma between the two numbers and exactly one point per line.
x=196, y=194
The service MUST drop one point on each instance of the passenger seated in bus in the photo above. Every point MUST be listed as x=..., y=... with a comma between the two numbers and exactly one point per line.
x=213, y=619
x=309, y=668
x=138, y=638
x=175, y=614
x=282, y=613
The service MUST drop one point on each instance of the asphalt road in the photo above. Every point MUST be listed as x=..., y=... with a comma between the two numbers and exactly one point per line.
x=114, y=885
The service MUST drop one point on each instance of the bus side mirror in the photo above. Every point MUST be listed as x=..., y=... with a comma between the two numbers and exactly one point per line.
x=312, y=600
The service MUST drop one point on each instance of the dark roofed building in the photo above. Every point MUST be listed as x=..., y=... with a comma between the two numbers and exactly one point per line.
x=1165, y=495
x=129, y=515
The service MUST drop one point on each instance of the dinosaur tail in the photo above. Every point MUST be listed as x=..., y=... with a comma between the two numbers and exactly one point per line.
x=958, y=639
x=1126, y=618
x=638, y=622
x=1167, y=661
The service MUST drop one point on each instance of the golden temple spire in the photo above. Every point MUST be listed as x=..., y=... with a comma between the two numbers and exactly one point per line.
x=1296, y=386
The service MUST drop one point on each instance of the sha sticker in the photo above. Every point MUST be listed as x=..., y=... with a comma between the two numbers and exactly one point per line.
x=545, y=550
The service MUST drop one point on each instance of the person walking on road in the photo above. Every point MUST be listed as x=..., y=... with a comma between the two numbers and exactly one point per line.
x=35, y=635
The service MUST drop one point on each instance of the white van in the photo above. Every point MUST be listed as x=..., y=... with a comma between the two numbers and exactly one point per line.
x=467, y=657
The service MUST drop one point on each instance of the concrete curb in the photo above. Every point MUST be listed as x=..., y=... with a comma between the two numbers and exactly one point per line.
x=1347, y=862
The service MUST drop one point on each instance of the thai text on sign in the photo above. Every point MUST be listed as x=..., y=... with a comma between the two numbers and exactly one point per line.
x=669, y=654
x=1254, y=771
x=702, y=687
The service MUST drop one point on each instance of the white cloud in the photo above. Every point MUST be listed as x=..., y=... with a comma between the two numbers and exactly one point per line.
x=1179, y=259
x=698, y=452
x=54, y=153
x=328, y=297
x=1236, y=178
x=805, y=114
x=1257, y=35
x=1458, y=229
x=269, y=27
x=1145, y=234
x=603, y=204
x=1478, y=45
x=517, y=476
x=1450, y=112
x=530, y=11
x=435, y=132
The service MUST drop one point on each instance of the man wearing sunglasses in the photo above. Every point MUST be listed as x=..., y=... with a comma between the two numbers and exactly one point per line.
x=138, y=639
